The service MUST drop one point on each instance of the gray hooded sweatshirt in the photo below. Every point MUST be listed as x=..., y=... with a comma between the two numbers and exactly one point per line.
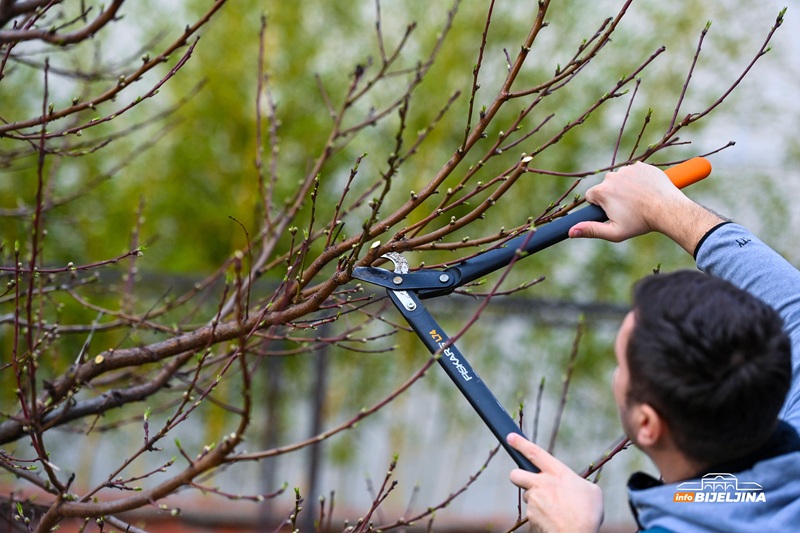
x=759, y=493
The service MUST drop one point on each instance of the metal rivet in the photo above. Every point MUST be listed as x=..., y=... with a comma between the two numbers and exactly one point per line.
x=411, y=306
x=444, y=278
x=397, y=280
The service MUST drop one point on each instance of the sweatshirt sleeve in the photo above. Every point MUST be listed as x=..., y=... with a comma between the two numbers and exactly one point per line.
x=732, y=253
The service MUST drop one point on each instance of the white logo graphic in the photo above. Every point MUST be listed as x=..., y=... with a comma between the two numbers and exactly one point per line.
x=719, y=488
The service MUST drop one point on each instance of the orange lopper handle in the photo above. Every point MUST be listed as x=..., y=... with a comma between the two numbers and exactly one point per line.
x=689, y=172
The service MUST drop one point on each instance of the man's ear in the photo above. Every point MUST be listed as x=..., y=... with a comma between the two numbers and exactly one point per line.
x=649, y=427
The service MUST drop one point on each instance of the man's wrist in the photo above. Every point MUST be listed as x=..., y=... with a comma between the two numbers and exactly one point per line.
x=688, y=223
x=707, y=234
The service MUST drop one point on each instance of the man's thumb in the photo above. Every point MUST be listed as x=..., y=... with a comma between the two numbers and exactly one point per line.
x=588, y=230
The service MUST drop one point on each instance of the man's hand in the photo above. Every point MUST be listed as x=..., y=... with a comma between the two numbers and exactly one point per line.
x=639, y=199
x=558, y=499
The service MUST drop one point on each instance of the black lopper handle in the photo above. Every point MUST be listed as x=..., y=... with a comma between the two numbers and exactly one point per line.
x=681, y=175
x=462, y=374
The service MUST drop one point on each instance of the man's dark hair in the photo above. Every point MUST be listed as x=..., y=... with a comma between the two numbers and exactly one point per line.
x=713, y=360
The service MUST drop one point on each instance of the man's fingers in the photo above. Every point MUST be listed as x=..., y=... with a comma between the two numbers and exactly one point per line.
x=537, y=455
x=522, y=479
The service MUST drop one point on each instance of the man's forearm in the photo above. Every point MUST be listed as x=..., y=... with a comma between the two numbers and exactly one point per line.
x=686, y=223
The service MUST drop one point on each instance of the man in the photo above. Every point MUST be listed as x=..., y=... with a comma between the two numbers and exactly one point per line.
x=704, y=382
